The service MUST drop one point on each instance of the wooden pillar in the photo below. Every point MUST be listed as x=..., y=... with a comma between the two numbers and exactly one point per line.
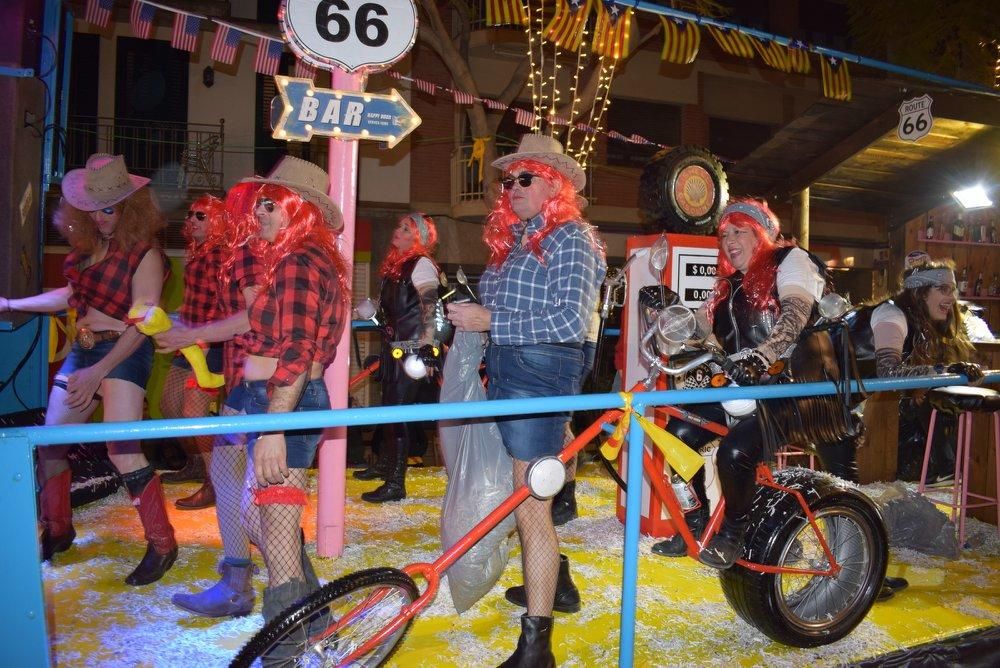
x=800, y=208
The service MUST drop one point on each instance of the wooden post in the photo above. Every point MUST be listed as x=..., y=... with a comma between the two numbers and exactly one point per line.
x=801, y=211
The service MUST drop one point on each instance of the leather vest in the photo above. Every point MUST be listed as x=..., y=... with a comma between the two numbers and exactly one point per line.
x=400, y=304
x=859, y=326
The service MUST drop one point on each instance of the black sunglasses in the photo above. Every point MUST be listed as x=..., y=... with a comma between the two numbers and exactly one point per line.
x=199, y=215
x=267, y=203
x=523, y=180
x=107, y=211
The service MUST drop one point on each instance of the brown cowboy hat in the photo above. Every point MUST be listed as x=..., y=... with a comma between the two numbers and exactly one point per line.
x=547, y=150
x=103, y=182
x=307, y=179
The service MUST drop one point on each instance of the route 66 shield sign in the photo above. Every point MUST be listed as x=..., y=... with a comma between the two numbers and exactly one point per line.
x=915, y=119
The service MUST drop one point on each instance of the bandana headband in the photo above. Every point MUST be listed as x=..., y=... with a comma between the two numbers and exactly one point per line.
x=421, y=224
x=757, y=215
x=922, y=278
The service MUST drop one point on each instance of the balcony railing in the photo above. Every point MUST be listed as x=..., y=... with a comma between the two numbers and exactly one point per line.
x=185, y=155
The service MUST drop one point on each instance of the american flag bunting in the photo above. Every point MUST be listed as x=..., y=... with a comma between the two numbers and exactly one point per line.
x=732, y=42
x=798, y=57
x=524, y=117
x=494, y=105
x=304, y=70
x=268, y=56
x=773, y=54
x=614, y=134
x=226, y=42
x=99, y=12
x=140, y=17
x=681, y=40
x=565, y=30
x=425, y=86
x=185, y=36
x=505, y=13
x=611, y=34
x=461, y=97
x=836, y=78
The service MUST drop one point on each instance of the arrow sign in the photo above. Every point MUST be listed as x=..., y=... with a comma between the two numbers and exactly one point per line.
x=308, y=111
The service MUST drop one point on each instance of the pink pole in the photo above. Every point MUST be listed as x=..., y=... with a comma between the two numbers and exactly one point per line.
x=343, y=170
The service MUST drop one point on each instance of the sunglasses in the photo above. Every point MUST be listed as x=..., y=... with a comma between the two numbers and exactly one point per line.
x=107, y=211
x=523, y=180
x=198, y=215
x=267, y=203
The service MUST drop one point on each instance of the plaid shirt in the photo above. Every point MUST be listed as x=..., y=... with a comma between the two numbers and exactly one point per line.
x=201, y=288
x=299, y=319
x=244, y=270
x=548, y=300
x=106, y=285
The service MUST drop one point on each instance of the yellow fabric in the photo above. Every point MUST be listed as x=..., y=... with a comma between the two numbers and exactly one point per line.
x=611, y=446
x=479, y=153
x=681, y=458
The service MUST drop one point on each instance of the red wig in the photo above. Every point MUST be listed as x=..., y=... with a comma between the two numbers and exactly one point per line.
x=762, y=273
x=215, y=231
x=425, y=238
x=240, y=226
x=557, y=210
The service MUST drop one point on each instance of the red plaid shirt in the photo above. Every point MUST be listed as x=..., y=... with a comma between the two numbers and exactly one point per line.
x=201, y=288
x=300, y=318
x=106, y=285
x=244, y=275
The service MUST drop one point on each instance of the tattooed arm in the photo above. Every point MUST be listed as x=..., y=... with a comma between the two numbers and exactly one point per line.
x=428, y=295
x=795, y=310
x=889, y=364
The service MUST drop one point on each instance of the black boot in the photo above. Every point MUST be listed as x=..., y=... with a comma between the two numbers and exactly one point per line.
x=534, y=646
x=377, y=470
x=567, y=595
x=393, y=489
x=564, y=504
x=726, y=546
x=276, y=600
x=675, y=545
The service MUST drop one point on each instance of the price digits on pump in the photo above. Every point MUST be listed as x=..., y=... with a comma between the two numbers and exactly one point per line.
x=696, y=294
x=333, y=26
x=696, y=269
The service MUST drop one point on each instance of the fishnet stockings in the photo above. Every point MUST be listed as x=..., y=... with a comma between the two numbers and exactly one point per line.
x=250, y=511
x=180, y=401
x=229, y=465
x=281, y=536
x=539, y=548
x=568, y=438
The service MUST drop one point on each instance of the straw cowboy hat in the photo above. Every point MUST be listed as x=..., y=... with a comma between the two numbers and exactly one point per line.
x=103, y=182
x=308, y=180
x=547, y=150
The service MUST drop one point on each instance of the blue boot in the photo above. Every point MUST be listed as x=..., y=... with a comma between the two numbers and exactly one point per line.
x=231, y=596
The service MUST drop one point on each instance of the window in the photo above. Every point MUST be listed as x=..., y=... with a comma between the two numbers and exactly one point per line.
x=659, y=123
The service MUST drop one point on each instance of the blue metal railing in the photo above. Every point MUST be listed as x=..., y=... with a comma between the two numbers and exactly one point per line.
x=24, y=616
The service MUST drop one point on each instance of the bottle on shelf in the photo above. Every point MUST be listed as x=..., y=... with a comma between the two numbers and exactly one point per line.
x=974, y=231
x=978, y=290
x=963, y=282
x=929, y=232
x=958, y=229
x=984, y=229
x=995, y=285
x=993, y=231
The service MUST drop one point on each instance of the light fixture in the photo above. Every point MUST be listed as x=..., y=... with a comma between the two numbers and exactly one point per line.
x=973, y=198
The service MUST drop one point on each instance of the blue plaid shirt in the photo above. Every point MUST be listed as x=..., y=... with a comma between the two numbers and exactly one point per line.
x=547, y=301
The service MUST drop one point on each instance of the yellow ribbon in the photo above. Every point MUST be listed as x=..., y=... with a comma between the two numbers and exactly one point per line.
x=57, y=326
x=479, y=153
x=681, y=458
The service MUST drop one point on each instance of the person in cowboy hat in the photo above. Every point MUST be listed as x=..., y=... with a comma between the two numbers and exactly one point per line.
x=110, y=219
x=408, y=299
x=538, y=292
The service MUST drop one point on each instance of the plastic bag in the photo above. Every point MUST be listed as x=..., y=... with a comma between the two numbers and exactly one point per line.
x=479, y=478
x=913, y=522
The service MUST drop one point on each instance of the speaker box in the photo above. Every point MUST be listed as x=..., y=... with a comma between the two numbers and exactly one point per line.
x=22, y=117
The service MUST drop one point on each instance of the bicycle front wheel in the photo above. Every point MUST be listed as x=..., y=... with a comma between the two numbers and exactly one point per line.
x=327, y=627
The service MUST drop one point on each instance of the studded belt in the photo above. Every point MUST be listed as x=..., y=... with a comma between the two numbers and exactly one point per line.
x=88, y=338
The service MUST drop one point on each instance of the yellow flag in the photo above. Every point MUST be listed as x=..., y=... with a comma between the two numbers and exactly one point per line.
x=681, y=458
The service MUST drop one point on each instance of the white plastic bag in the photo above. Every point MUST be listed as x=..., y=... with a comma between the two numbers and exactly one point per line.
x=479, y=477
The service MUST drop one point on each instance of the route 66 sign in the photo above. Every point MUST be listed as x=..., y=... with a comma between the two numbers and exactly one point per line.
x=355, y=35
x=915, y=119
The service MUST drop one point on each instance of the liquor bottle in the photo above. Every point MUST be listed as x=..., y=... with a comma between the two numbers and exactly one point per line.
x=975, y=231
x=958, y=229
x=929, y=234
x=984, y=229
x=978, y=292
x=963, y=282
x=995, y=285
x=993, y=231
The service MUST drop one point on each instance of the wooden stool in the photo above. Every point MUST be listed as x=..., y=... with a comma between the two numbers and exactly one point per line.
x=786, y=451
x=963, y=401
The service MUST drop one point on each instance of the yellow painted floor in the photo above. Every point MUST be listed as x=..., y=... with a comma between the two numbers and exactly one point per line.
x=683, y=616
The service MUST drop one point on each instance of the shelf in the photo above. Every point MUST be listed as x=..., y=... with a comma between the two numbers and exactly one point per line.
x=977, y=299
x=955, y=243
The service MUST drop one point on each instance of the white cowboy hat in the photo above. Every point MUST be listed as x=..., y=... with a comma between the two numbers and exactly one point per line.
x=547, y=150
x=103, y=182
x=307, y=179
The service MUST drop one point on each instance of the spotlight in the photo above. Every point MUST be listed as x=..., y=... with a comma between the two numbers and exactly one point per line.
x=973, y=198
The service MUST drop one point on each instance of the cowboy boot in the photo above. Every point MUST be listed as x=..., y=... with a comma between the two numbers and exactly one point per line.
x=534, y=646
x=193, y=471
x=161, y=547
x=564, y=504
x=675, y=545
x=393, y=489
x=277, y=600
x=377, y=470
x=567, y=597
x=231, y=596
x=203, y=498
x=726, y=547
x=56, y=515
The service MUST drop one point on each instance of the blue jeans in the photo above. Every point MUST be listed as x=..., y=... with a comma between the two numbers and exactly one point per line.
x=135, y=368
x=300, y=445
x=539, y=370
x=213, y=357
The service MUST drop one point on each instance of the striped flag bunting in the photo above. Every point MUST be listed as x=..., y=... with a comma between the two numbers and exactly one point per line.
x=614, y=134
x=140, y=17
x=836, y=79
x=636, y=138
x=394, y=74
x=681, y=40
x=304, y=70
x=798, y=57
x=611, y=34
x=565, y=30
x=494, y=105
x=524, y=117
x=773, y=54
x=505, y=13
x=425, y=86
x=226, y=42
x=461, y=97
x=99, y=12
x=732, y=42
x=185, y=36
x=268, y=56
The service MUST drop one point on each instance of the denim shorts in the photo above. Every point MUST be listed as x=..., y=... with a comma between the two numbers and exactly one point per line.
x=522, y=372
x=213, y=356
x=236, y=399
x=135, y=368
x=300, y=445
